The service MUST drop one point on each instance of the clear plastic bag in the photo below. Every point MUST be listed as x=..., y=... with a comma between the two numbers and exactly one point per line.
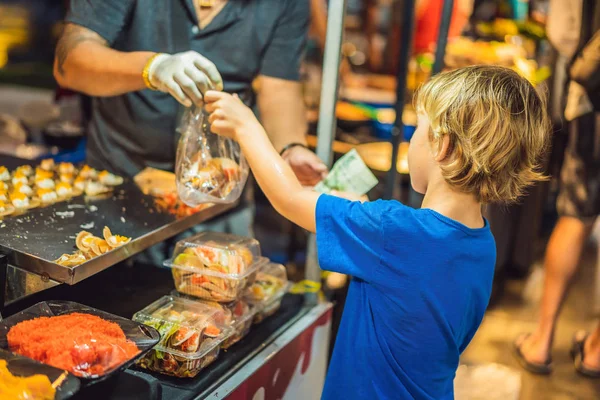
x=209, y=168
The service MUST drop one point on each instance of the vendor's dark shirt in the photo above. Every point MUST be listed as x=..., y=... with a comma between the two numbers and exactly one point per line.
x=246, y=39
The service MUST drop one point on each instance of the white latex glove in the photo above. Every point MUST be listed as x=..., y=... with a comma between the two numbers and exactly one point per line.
x=186, y=76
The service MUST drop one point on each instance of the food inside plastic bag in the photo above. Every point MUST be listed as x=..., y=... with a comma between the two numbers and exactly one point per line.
x=209, y=168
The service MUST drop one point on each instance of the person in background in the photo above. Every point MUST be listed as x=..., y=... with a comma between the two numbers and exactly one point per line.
x=579, y=197
x=142, y=61
x=421, y=277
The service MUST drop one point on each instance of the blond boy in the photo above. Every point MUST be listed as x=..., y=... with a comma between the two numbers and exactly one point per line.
x=421, y=278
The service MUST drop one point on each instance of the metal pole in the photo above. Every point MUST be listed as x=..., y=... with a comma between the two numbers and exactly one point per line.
x=442, y=40
x=408, y=14
x=327, y=120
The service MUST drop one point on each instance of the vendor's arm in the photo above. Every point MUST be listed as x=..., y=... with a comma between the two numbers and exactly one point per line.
x=280, y=99
x=86, y=61
x=283, y=115
x=274, y=175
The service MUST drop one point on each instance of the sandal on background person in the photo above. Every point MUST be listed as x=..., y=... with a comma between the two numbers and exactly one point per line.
x=533, y=367
x=578, y=356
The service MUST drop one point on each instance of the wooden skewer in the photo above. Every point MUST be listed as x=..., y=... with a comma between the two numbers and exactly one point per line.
x=60, y=379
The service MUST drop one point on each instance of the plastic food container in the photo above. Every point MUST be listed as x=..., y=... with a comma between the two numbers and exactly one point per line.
x=267, y=290
x=215, y=266
x=103, y=354
x=191, y=335
x=243, y=315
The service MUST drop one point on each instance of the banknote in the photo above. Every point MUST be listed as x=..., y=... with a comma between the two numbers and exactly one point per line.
x=349, y=174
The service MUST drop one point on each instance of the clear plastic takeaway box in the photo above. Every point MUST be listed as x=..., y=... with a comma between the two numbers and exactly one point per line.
x=191, y=335
x=215, y=266
x=243, y=314
x=267, y=290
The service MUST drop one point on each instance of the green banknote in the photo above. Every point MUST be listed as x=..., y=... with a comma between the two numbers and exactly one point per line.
x=350, y=174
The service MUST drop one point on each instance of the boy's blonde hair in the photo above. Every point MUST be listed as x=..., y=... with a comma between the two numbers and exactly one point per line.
x=498, y=130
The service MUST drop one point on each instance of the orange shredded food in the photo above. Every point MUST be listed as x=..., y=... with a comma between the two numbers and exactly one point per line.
x=83, y=344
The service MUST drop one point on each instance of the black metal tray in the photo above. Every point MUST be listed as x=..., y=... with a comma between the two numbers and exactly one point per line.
x=143, y=336
x=35, y=239
x=22, y=366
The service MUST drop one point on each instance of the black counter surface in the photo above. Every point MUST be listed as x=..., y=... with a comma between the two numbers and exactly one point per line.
x=125, y=289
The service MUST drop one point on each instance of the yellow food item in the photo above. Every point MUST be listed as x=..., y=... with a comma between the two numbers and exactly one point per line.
x=17, y=196
x=41, y=174
x=12, y=387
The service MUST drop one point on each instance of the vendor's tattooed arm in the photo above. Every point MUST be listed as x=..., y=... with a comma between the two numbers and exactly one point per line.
x=71, y=37
x=85, y=63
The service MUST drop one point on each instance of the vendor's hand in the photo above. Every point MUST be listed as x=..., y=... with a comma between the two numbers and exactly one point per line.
x=309, y=168
x=228, y=115
x=186, y=76
x=350, y=196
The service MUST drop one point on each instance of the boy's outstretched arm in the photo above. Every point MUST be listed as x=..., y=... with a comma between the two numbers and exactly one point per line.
x=231, y=118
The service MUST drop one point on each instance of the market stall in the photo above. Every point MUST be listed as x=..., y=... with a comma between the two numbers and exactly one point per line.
x=257, y=336
x=217, y=323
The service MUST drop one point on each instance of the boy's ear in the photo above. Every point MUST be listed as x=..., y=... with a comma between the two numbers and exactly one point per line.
x=443, y=147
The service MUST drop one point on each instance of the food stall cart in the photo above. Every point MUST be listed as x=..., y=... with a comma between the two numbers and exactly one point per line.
x=285, y=356
x=32, y=242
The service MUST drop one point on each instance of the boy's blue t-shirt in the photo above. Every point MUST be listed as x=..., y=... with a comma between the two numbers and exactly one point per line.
x=420, y=285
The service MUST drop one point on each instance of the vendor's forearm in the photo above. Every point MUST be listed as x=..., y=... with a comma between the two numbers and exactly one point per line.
x=85, y=63
x=282, y=111
x=277, y=180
